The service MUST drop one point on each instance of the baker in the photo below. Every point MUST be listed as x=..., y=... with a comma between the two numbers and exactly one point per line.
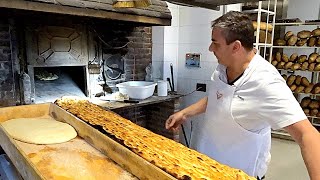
x=247, y=97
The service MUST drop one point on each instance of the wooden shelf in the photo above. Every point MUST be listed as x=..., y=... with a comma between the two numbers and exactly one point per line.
x=262, y=44
x=252, y=11
x=296, y=47
x=298, y=24
x=298, y=70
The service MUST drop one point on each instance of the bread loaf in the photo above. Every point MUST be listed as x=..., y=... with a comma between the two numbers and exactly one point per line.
x=288, y=65
x=278, y=56
x=280, y=42
x=304, y=66
x=296, y=66
x=285, y=58
x=299, y=89
x=293, y=57
x=316, y=32
x=274, y=62
x=304, y=34
x=305, y=82
x=301, y=42
x=308, y=89
x=312, y=41
x=305, y=102
x=311, y=66
x=291, y=80
x=263, y=26
x=292, y=40
x=302, y=58
x=312, y=57
x=288, y=35
x=306, y=111
x=298, y=80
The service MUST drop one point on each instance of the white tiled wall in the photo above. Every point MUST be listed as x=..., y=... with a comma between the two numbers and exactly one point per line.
x=190, y=32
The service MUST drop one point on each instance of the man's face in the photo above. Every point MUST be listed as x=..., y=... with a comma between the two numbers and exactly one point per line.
x=219, y=47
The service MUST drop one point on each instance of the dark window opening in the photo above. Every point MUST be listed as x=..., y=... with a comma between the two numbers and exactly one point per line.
x=52, y=83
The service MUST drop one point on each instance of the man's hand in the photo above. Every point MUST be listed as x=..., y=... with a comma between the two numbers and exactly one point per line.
x=175, y=120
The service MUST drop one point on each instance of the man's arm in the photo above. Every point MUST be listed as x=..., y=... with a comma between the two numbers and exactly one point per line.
x=308, y=139
x=174, y=121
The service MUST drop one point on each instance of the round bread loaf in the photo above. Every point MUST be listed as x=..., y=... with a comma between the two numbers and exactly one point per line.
x=308, y=89
x=304, y=82
x=316, y=32
x=302, y=58
x=304, y=34
x=299, y=89
x=305, y=102
x=317, y=67
x=316, y=88
x=304, y=66
x=306, y=111
x=313, y=104
x=288, y=35
x=280, y=42
x=285, y=77
x=291, y=79
x=311, y=66
x=312, y=57
x=293, y=87
x=292, y=40
x=312, y=41
x=278, y=56
x=280, y=65
x=301, y=42
x=298, y=80
x=314, y=112
x=296, y=66
x=293, y=57
x=285, y=58
x=274, y=62
x=288, y=65
x=263, y=26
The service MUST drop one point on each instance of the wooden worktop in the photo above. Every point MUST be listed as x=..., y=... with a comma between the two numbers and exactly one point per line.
x=150, y=100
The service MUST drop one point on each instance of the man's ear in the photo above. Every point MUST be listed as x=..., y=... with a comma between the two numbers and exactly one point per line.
x=236, y=46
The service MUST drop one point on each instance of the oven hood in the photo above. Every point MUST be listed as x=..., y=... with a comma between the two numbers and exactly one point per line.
x=155, y=14
x=209, y=4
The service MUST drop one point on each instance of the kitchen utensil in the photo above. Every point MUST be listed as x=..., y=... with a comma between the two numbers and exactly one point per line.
x=168, y=79
x=162, y=88
x=137, y=89
x=171, y=70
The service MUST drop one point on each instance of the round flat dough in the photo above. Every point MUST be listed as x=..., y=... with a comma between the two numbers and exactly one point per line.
x=39, y=130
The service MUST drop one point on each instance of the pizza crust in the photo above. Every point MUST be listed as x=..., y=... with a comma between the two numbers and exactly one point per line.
x=39, y=130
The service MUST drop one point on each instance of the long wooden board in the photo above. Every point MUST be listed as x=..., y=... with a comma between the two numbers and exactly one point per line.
x=121, y=155
x=26, y=157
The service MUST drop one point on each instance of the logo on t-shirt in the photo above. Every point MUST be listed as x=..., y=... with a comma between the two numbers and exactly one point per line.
x=219, y=95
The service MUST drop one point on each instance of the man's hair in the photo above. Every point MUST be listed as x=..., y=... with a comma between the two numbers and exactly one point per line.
x=236, y=26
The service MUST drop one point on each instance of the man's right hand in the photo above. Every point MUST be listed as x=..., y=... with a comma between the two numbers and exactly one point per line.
x=175, y=120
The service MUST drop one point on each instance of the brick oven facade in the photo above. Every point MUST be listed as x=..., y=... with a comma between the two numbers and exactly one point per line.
x=8, y=66
x=32, y=40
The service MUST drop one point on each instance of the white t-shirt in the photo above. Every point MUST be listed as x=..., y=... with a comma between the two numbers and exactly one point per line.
x=262, y=98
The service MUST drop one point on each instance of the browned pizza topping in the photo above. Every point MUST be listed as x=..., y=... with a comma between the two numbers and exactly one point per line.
x=172, y=157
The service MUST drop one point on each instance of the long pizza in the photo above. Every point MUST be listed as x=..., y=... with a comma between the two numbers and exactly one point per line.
x=172, y=157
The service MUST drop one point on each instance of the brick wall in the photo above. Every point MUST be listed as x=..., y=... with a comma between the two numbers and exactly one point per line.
x=139, y=53
x=135, y=40
x=152, y=116
x=7, y=82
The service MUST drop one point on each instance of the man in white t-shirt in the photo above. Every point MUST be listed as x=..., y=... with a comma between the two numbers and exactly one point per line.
x=247, y=97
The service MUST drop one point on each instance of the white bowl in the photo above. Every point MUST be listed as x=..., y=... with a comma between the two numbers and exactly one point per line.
x=137, y=89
